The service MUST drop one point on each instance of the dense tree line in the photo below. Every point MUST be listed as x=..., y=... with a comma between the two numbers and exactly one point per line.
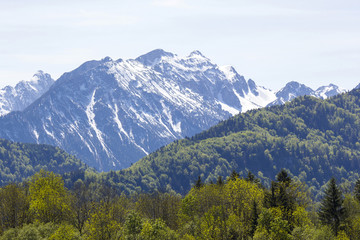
x=231, y=208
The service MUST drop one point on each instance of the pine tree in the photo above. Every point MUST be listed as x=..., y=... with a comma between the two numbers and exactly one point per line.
x=250, y=177
x=285, y=198
x=219, y=181
x=283, y=177
x=270, y=197
x=357, y=190
x=233, y=176
x=198, y=183
x=331, y=211
x=254, y=218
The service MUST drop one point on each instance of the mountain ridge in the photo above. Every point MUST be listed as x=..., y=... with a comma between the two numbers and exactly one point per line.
x=110, y=113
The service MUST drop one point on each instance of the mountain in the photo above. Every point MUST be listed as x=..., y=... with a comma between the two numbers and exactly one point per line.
x=24, y=93
x=20, y=161
x=294, y=89
x=327, y=91
x=313, y=139
x=110, y=113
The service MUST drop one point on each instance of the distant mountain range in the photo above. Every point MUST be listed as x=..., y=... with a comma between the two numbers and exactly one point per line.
x=110, y=113
x=24, y=93
x=295, y=89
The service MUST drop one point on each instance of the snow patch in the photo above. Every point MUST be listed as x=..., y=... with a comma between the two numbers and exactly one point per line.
x=233, y=111
x=229, y=72
x=91, y=118
x=36, y=134
x=116, y=118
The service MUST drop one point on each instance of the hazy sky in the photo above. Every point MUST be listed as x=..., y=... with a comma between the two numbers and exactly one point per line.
x=315, y=42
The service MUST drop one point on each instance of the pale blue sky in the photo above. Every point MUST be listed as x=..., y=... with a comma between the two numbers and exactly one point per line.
x=315, y=42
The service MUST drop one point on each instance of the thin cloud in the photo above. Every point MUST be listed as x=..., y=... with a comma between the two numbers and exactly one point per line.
x=170, y=3
x=87, y=18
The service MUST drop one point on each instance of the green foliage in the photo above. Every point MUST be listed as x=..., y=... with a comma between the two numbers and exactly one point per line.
x=221, y=211
x=13, y=206
x=272, y=225
x=323, y=233
x=102, y=225
x=18, y=161
x=133, y=226
x=65, y=232
x=303, y=233
x=49, y=200
x=154, y=230
x=34, y=231
x=159, y=205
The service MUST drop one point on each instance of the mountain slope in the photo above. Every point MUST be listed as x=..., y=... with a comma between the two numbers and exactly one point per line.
x=18, y=161
x=110, y=113
x=24, y=93
x=314, y=139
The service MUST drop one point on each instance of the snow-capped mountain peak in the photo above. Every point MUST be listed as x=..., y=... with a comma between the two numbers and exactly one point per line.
x=106, y=59
x=294, y=89
x=152, y=58
x=328, y=91
x=197, y=54
x=39, y=75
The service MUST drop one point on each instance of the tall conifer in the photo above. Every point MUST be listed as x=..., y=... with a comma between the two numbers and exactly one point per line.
x=331, y=211
x=357, y=190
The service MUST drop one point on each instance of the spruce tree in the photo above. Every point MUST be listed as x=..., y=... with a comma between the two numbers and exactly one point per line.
x=283, y=177
x=331, y=211
x=250, y=177
x=233, y=176
x=270, y=196
x=285, y=198
x=219, y=181
x=254, y=218
x=357, y=190
x=198, y=183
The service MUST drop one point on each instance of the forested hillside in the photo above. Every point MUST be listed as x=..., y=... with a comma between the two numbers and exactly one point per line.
x=313, y=139
x=19, y=161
